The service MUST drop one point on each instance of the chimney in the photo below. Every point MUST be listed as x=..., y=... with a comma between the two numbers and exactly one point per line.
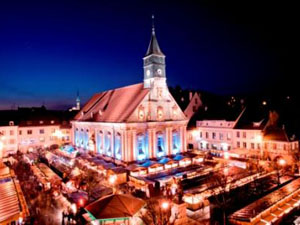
x=191, y=95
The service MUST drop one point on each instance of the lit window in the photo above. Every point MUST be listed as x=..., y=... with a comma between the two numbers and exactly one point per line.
x=159, y=112
x=160, y=145
x=141, y=113
x=118, y=146
x=175, y=142
x=141, y=155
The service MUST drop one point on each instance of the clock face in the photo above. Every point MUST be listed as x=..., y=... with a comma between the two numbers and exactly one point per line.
x=148, y=73
x=159, y=71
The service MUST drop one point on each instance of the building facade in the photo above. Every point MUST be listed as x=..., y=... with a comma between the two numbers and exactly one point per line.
x=255, y=139
x=136, y=122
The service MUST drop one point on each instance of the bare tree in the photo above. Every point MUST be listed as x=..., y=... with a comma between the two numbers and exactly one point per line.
x=155, y=214
x=91, y=179
x=219, y=185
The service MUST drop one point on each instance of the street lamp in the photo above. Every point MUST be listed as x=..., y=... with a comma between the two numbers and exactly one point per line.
x=165, y=205
x=281, y=162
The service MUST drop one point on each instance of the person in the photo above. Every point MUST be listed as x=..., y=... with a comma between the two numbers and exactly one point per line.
x=63, y=218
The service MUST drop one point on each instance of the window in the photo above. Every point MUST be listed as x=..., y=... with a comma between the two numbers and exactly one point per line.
x=244, y=145
x=200, y=134
x=141, y=154
x=141, y=113
x=221, y=136
x=160, y=145
x=100, y=142
x=252, y=145
x=238, y=134
x=206, y=135
x=175, y=142
x=274, y=146
x=12, y=141
x=160, y=113
x=11, y=132
x=258, y=146
x=213, y=135
x=108, y=144
x=42, y=131
x=238, y=144
x=244, y=135
x=118, y=146
x=228, y=136
x=29, y=132
x=20, y=132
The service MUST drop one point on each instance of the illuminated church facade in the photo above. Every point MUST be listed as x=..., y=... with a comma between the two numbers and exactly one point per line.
x=136, y=122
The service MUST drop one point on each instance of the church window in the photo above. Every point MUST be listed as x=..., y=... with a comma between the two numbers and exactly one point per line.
x=141, y=113
x=118, y=146
x=175, y=142
x=160, y=145
x=108, y=144
x=99, y=142
x=160, y=113
x=141, y=152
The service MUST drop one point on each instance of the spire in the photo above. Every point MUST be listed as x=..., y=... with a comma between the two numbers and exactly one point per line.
x=153, y=45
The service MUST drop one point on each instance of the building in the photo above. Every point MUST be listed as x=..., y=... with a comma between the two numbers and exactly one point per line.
x=244, y=134
x=194, y=104
x=30, y=128
x=135, y=122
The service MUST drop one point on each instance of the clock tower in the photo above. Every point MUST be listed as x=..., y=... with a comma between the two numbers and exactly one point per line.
x=154, y=63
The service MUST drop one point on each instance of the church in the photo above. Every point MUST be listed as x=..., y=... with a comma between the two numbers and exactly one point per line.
x=135, y=122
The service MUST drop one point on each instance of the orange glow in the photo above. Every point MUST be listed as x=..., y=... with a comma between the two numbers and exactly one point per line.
x=281, y=162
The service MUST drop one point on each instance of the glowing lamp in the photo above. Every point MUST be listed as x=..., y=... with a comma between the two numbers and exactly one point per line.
x=165, y=205
x=112, y=179
x=81, y=202
x=281, y=162
x=226, y=155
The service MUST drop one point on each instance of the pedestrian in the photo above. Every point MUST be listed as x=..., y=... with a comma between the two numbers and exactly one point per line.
x=63, y=218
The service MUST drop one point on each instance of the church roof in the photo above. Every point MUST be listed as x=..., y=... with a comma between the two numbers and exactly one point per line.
x=153, y=46
x=114, y=105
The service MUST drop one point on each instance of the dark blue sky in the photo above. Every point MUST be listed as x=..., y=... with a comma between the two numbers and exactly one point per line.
x=51, y=49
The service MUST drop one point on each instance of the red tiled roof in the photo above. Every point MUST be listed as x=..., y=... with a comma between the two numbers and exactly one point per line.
x=115, y=206
x=113, y=105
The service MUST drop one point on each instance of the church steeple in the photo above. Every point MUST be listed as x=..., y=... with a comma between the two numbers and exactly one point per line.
x=153, y=45
x=154, y=62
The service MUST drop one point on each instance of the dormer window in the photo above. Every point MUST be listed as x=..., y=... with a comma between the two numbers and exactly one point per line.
x=11, y=123
x=52, y=121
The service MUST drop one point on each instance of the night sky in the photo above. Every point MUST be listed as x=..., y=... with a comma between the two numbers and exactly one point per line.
x=51, y=49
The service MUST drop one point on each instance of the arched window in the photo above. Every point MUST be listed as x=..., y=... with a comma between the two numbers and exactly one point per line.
x=160, y=113
x=160, y=148
x=100, y=142
x=118, y=149
x=108, y=144
x=175, y=142
x=140, y=147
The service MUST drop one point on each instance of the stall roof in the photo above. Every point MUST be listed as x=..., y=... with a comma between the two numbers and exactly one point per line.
x=115, y=206
x=262, y=204
x=9, y=202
